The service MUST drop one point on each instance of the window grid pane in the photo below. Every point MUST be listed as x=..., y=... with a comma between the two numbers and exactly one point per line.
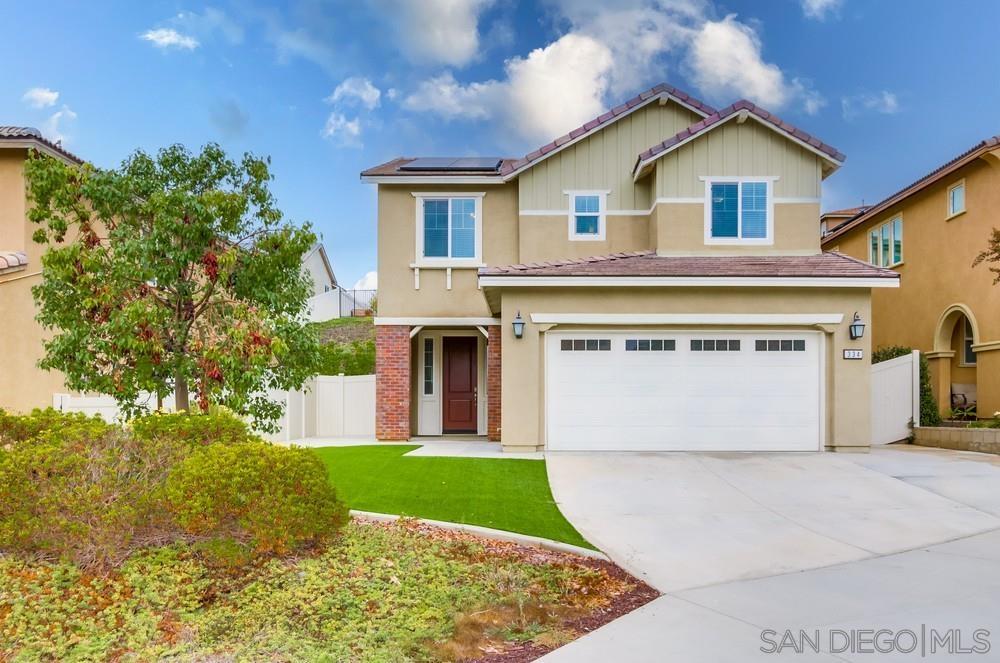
x=873, y=252
x=428, y=366
x=587, y=225
x=885, y=245
x=956, y=199
x=463, y=228
x=587, y=204
x=897, y=241
x=754, y=210
x=435, y=228
x=724, y=209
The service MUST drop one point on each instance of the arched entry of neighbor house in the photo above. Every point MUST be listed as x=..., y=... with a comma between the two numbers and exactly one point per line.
x=950, y=366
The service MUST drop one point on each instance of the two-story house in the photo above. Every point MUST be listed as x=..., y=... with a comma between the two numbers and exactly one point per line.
x=23, y=385
x=930, y=232
x=652, y=280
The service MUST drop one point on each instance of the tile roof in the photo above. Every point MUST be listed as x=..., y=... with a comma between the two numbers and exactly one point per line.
x=603, y=119
x=510, y=165
x=720, y=116
x=847, y=211
x=954, y=164
x=33, y=135
x=12, y=260
x=647, y=263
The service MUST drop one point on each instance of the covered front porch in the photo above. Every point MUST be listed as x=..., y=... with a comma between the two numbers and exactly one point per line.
x=438, y=378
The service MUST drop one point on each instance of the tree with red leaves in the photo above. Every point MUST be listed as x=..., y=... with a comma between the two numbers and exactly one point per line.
x=172, y=273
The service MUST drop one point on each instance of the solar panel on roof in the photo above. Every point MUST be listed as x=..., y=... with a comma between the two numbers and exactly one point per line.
x=444, y=164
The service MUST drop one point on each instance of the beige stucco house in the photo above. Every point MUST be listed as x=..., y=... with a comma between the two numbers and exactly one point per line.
x=23, y=385
x=651, y=280
x=930, y=232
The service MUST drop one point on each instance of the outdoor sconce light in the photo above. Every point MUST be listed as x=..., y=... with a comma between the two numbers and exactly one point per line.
x=518, y=325
x=857, y=328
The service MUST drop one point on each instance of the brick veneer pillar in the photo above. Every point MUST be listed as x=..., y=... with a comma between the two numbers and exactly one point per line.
x=493, y=383
x=392, y=382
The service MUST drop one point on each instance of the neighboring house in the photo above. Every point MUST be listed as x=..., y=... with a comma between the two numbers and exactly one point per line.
x=830, y=221
x=930, y=232
x=665, y=261
x=317, y=264
x=23, y=385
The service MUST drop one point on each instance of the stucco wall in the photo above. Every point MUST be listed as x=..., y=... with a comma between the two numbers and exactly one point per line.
x=847, y=381
x=547, y=238
x=679, y=229
x=397, y=296
x=937, y=272
x=747, y=149
x=604, y=161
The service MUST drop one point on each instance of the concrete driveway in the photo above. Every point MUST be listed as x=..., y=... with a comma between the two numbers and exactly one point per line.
x=902, y=538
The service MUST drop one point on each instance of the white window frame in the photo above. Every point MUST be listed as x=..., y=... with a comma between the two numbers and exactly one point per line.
x=949, y=213
x=876, y=260
x=769, y=180
x=602, y=216
x=477, y=259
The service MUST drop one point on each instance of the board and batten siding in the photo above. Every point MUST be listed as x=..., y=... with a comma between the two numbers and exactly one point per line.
x=604, y=161
x=734, y=149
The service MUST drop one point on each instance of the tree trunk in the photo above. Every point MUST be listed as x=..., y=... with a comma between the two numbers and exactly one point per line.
x=181, y=393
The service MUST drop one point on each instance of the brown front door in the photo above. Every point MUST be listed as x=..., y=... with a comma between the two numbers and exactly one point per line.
x=460, y=384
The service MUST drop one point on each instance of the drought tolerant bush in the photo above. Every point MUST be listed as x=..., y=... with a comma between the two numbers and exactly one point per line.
x=219, y=425
x=77, y=489
x=271, y=498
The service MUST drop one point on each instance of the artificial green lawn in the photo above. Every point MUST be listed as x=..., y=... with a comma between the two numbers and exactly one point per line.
x=507, y=494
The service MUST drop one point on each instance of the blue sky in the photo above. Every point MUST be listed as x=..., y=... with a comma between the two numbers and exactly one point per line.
x=329, y=88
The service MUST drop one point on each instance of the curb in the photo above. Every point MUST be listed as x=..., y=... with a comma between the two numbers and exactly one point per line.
x=499, y=535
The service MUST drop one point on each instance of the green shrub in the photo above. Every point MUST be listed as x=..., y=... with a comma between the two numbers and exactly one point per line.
x=23, y=427
x=929, y=414
x=355, y=358
x=219, y=425
x=272, y=498
x=94, y=493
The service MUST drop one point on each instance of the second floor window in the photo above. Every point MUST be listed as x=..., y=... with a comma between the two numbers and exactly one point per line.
x=587, y=215
x=449, y=229
x=738, y=212
x=956, y=198
x=885, y=248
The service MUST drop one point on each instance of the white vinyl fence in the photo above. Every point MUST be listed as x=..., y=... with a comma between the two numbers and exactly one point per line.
x=330, y=406
x=895, y=398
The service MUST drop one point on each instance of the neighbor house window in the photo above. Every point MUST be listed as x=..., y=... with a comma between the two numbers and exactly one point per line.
x=449, y=229
x=968, y=354
x=956, y=198
x=885, y=248
x=739, y=211
x=587, y=215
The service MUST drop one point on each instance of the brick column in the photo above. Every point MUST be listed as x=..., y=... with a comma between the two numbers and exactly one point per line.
x=392, y=382
x=493, y=383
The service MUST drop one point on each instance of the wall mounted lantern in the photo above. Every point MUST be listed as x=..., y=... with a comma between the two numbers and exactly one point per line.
x=518, y=325
x=857, y=328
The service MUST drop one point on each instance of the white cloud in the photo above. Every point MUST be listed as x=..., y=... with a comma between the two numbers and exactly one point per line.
x=210, y=21
x=367, y=282
x=820, y=9
x=55, y=127
x=169, y=38
x=573, y=69
x=356, y=89
x=726, y=60
x=437, y=32
x=883, y=102
x=40, y=97
x=343, y=131
x=611, y=49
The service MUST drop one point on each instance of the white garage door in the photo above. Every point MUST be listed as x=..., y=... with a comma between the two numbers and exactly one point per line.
x=689, y=391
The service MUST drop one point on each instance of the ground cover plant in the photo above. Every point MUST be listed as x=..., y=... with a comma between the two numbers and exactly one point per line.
x=186, y=537
x=502, y=493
